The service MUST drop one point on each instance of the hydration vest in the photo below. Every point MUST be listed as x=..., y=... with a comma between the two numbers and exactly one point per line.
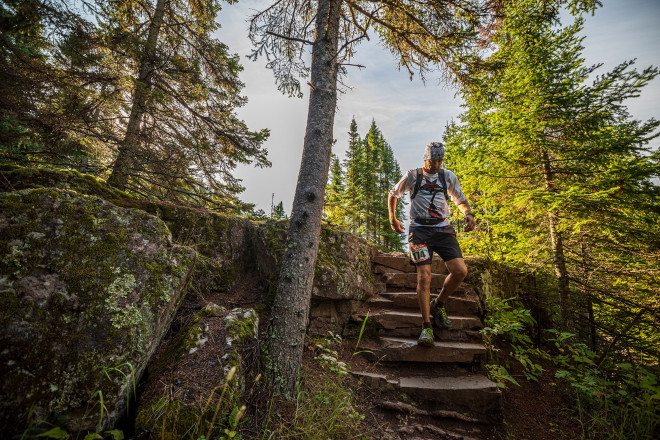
x=418, y=184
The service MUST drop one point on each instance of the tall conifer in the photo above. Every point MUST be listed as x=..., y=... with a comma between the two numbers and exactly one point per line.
x=335, y=193
x=354, y=163
x=181, y=137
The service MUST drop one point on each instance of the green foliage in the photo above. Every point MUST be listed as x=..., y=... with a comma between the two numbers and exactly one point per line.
x=510, y=321
x=48, y=99
x=356, y=194
x=334, y=193
x=328, y=357
x=185, y=88
x=557, y=169
x=562, y=178
x=56, y=432
x=278, y=212
x=500, y=375
x=614, y=400
x=130, y=378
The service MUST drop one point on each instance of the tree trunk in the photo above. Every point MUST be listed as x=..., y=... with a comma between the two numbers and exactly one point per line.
x=290, y=313
x=127, y=153
x=592, y=324
x=559, y=262
x=589, y=302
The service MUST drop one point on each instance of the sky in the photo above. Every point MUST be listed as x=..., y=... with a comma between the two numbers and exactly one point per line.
x=410, y=114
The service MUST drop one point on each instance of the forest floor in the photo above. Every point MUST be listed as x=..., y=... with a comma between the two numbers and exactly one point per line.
x=543, y=410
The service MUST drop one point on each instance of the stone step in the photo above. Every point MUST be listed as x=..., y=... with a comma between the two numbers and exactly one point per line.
x=473, y=394
x=466, y=303
x=379, y=286
x=440, y=334
x=395, y=349
x=409, y=280
x=400, y=262
x=394, y=319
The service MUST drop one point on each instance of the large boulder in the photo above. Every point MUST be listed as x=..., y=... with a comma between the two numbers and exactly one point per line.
x=343, y=280
x=344, y=268
x=87, y=290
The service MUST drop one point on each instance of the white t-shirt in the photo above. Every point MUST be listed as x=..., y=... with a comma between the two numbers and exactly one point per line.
x=429, y=203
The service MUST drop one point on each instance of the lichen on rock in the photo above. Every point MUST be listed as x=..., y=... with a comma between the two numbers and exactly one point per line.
x=86, y=289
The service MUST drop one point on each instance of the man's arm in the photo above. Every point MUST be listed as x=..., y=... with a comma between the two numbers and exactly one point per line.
x=391, y=208
x=469, y=217
x=457, y=196
x=399, y=190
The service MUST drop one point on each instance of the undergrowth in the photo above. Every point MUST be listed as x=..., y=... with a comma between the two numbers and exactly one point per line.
x=325, y=406
x=614, y=400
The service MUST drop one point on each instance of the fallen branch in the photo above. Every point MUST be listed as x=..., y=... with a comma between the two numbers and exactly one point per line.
x=404, y=407
x=446, y=434
x=616, y=339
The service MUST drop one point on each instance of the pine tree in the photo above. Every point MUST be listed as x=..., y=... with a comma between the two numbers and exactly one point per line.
x=390, y=174
x=373, y=145
x=354, y=196
x=362, y=199
x=146, y=83
x=54, y=108
x=278, y=212
x=335, y=212
x=560, y=170
x=181, y=139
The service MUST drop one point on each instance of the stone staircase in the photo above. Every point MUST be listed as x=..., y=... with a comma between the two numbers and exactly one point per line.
x=441, y=385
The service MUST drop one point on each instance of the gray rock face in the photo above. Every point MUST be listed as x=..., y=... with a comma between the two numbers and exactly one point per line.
x=343, y=267
x=87, y=289
x=343, y=279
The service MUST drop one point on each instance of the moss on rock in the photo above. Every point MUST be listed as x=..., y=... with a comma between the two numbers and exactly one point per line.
x=15, y=178
x=87, y=289
x=343, y=266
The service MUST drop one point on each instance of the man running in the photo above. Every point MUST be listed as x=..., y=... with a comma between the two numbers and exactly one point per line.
x=431, y=231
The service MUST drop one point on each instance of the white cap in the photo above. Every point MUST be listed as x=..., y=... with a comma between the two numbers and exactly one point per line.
x=434, y=151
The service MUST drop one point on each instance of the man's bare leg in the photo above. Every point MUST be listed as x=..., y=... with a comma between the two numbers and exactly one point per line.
x=457, y=273
x=424, y=291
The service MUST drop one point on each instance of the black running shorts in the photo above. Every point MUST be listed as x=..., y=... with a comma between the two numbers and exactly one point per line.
x=424, y=240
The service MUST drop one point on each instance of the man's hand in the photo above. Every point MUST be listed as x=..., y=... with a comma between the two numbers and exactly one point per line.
x=397, y=226
x=469, y=218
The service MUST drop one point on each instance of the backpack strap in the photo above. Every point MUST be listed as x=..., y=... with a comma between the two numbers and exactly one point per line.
x=418, y=184
x=443, y=181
